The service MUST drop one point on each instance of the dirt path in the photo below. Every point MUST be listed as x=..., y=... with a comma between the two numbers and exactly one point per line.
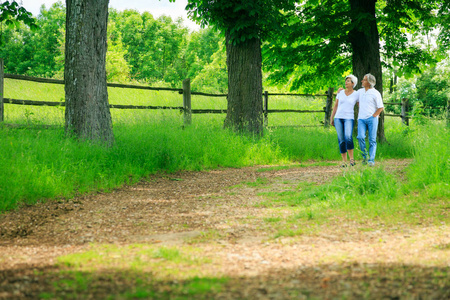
x=340, y=261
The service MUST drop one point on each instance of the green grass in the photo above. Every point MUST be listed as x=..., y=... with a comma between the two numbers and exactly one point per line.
x=431, y=167
x=368, y=195
x=130, y=285
x=138, y=257
x=39, y=164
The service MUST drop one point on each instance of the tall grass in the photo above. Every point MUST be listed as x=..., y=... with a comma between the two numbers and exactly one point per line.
x=38, y=164
x=366, y=194
x=320, y=143
x=431, y=166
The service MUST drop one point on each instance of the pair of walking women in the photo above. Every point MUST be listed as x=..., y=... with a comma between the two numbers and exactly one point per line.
x=342, y=118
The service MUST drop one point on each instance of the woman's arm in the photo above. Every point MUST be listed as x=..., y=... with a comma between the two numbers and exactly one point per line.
x=334, y=112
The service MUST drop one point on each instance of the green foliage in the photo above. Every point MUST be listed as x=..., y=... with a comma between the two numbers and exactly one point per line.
x=117, y=68
x=36, y=52
x=307, y=54
x=13, y=14
x=213, y=77
x=241, y=20
x=433, y=88
x=397, y=19
x=427, y=93
x=140, y=48
x=444, y=15
x=315, y=45
x=206, y=58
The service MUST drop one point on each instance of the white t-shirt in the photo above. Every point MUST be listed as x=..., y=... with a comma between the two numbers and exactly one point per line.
x=369, y=102
x=346, y=105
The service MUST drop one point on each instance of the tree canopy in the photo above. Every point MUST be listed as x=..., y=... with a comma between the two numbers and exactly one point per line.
x=140, y=47
x=315, y=45
x=243, y=20
x=13, y=14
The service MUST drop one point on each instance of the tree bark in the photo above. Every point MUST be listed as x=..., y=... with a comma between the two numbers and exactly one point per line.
x=87, y=114
x=245, y=104
x=364, y=39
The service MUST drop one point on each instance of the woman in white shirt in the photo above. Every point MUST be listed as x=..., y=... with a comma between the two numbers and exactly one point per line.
x=343, y=118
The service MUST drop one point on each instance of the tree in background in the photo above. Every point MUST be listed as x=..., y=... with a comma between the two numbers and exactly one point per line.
x=12, y=14
x=365, y=43
x=87, y=113
x=13, y=17
x=117, y=68
x=46, y=42
x=245, y=24
x=200, y=48
x=444, y=17
x=135, y=44
x=213, y=77
x=154, y=46
x=325, y=40
x=433, y=88
x=36, y=52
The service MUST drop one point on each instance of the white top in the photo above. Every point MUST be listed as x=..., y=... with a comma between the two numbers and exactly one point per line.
x=369, y=102
x=346, y=105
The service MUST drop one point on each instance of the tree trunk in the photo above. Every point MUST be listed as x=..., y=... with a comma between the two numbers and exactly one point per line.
x=87, y=109
x=245, y=109
x=364, y=39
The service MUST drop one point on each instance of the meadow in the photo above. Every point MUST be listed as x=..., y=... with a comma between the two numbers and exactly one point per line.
x=375, y=211
x=40, y=163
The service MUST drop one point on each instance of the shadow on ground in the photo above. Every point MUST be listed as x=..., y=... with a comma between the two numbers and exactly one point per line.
x=352, y=281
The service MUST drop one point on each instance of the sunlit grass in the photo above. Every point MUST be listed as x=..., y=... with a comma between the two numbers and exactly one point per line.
x=373, y=195
x=26, y=90
x=166, y=262
x=39, y=163
x=146, y=267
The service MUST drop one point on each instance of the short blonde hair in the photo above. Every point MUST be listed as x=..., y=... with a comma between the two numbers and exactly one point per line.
x=353, y=79
x=371, y=79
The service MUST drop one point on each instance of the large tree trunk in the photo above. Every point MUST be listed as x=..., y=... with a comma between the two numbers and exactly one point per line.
x=245, y=110
x=365, y=42
x=87, y=109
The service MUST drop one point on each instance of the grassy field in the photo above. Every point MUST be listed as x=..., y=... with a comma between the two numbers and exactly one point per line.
x=39, y=164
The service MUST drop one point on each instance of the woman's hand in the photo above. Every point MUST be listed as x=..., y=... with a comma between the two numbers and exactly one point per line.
x=332, y=122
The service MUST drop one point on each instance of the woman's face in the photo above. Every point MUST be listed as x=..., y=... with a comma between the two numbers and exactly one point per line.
x=348, y=83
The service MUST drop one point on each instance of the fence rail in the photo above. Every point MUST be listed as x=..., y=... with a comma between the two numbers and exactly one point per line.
x=186, y=109
x=186, y=91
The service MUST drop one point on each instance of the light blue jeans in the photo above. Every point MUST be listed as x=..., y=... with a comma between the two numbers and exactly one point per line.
x=344, y=129
x=370, y=125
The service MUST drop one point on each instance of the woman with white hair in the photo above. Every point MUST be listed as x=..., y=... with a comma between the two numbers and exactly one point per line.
x=343, y=119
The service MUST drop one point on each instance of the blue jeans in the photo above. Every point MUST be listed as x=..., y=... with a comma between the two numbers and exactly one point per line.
x=344, y=129
x=371, y=125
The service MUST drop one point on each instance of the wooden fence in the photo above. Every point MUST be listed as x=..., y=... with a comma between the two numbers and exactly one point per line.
x=186, y=109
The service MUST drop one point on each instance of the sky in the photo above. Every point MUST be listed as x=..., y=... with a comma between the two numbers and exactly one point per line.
x=155, y=7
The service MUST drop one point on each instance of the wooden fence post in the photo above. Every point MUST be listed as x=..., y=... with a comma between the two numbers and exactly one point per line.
x=448, y=112
x=187, y=101
x=329, y=106
x=2, y=107
x=266, y=108
x=405, y=111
